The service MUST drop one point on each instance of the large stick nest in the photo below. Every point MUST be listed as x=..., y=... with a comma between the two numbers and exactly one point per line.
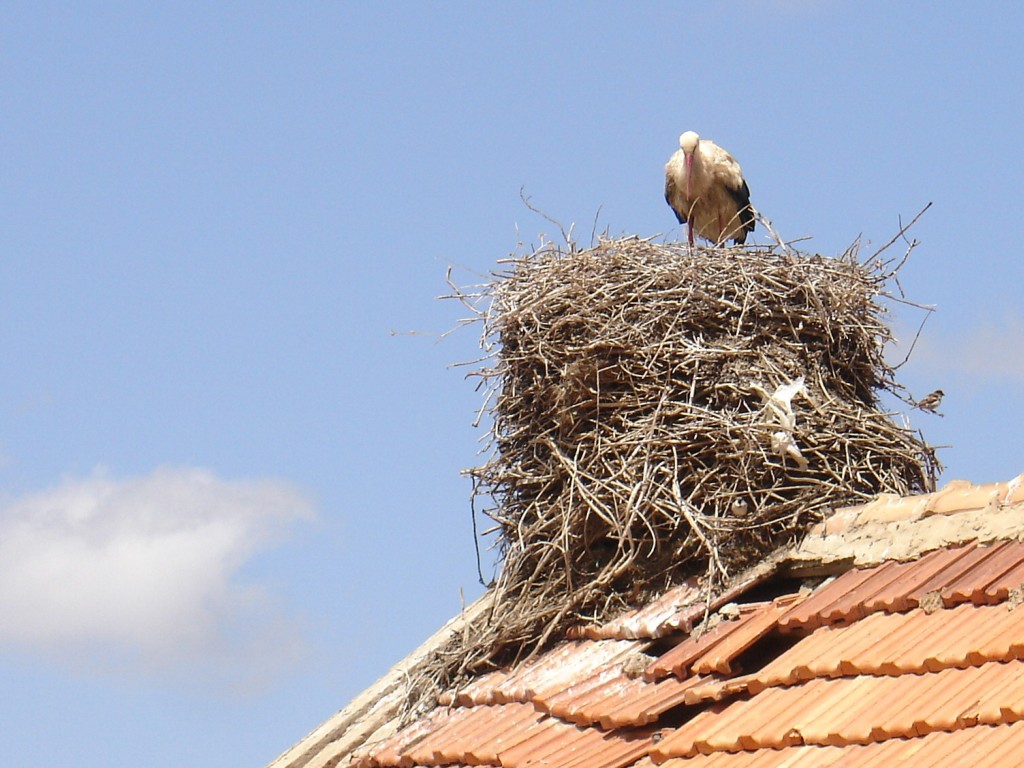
x=649, y=420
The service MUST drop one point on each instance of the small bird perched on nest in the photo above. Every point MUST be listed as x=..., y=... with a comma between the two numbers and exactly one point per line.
x=705, y=188
x=930, y=403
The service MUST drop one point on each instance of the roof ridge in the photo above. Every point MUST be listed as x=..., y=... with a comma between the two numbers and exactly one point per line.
x=900, y=528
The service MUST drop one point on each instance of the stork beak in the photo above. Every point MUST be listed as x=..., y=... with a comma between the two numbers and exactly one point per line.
x=689, y=173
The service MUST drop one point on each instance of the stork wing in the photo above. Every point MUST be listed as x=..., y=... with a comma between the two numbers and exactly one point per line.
x=730, y=175
x=672, y=195
x=741, y=196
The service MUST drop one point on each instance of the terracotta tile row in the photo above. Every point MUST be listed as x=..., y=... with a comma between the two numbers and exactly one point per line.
x=856, y=710
x=586, y=748
x=568, y=703
x=892, y=644
x=389, y=752
x=595, y=683
x=998, y=746
x=980, y=574
x=480, y=690
x=475, y=735
x=513, y=736
x=628, y=703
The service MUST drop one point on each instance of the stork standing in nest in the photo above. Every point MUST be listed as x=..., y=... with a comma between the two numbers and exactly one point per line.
x=705, y=187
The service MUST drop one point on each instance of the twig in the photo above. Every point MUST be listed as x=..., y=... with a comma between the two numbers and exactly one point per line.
x=899, y=234
x=766, y=223
x=566, y=236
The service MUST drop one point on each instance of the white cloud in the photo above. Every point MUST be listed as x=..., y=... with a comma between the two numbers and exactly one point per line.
x=143, y=573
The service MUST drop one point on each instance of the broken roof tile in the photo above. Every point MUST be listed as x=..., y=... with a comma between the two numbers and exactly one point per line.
x=679, y=609
x=561, y=667
x=742, y=634
x=697, y=647
x=715, y=688
x=662, y=615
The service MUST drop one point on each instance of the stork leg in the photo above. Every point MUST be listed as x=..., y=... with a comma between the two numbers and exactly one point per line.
x=689, y=232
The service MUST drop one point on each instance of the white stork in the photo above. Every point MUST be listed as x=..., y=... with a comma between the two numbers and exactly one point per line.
x=705, y=187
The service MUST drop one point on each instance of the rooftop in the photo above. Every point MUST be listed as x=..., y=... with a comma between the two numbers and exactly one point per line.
x=889, y=633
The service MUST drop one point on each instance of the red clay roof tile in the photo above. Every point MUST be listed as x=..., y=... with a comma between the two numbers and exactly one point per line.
x=1010, y=582
x=713, y=650
x=743, y=633
x=704, y=689
x=963, y=560
x=891, y=644
x=1000, y=558
x=588, y=748
x=888, y=508
x=591, y=706
x=679, y=609
x=958, y=499
x=476, y=692
x=389, y=753
x=828, y=600
x=653, y=699
x=549, y=739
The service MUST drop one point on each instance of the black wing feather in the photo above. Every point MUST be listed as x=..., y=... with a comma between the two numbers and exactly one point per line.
x=670, y=188
x=741, y=196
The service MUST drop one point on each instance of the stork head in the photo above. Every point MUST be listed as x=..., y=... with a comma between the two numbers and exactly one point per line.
x=688, y=142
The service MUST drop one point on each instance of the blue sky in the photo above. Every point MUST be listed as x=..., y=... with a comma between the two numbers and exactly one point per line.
x=230, y=438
